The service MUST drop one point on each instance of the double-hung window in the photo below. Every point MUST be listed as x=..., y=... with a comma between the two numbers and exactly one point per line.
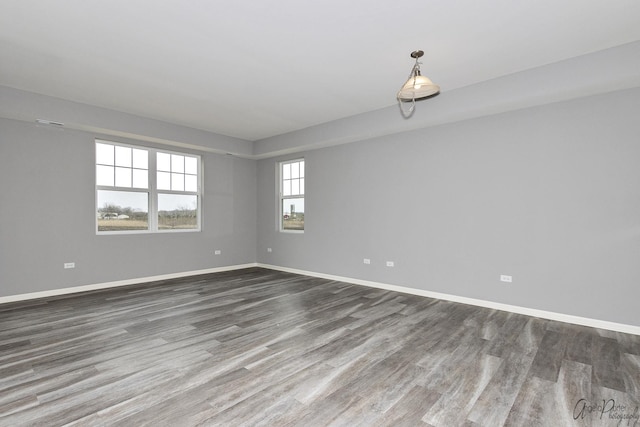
x=141, y=189
x=291, y=204
x=177, y=191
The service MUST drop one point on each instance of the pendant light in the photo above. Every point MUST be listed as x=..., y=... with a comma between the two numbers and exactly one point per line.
x=417, y=87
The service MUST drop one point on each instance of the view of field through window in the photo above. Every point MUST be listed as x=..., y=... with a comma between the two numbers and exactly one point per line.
x=122, y=210
x=177, y=211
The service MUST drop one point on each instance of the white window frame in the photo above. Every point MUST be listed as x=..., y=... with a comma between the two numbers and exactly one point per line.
x=282, y=197
x=152, y=191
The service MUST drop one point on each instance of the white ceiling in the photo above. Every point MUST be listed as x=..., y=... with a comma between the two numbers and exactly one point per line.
x=253, y=69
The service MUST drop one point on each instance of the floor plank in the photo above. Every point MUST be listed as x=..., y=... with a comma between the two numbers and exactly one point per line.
x=259, y=347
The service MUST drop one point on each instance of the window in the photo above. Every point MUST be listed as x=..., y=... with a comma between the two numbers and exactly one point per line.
x=292, y=195
x=141, y=189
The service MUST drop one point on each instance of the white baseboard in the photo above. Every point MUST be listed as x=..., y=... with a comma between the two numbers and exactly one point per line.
x=85, y=288
x=577, y=320
x=567, y=318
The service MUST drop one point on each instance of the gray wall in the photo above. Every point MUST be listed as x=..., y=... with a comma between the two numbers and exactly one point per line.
x=549, y=195
x=47, y=216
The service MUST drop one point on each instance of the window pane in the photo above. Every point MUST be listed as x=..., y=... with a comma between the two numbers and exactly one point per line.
x=104, y=175
x=122, y=210
x=140, y=178
x=123, y=156
x=104, y=154
x=140, y=159
x=177, y=212
x=295, y=187
x=295, y=170
x=123, y=177
x=286, y=171
x=301, y=185
x=191, y=165
x=164, y=181
x=293, y=214
x=164, y=162
x=286, y=188
x=302, y=168
x=177, y=182
x=177, y=163
x=190, y=183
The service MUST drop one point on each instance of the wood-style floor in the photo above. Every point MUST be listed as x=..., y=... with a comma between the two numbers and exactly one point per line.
x=260, y=347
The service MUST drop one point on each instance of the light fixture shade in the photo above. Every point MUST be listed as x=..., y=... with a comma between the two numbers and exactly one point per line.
x=417, y=87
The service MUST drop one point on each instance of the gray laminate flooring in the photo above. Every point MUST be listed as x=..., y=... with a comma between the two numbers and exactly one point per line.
x=260, y=347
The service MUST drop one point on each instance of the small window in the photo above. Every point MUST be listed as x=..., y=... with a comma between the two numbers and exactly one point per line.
x=291, y=204
x=141, y=189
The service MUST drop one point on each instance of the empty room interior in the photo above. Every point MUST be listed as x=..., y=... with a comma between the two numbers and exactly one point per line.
x=292, y=213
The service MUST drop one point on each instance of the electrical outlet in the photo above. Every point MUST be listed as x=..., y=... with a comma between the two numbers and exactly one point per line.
x=367, y=261
x=217, y=252
x=69, y=265
x=505, y=278
x=390, y=264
